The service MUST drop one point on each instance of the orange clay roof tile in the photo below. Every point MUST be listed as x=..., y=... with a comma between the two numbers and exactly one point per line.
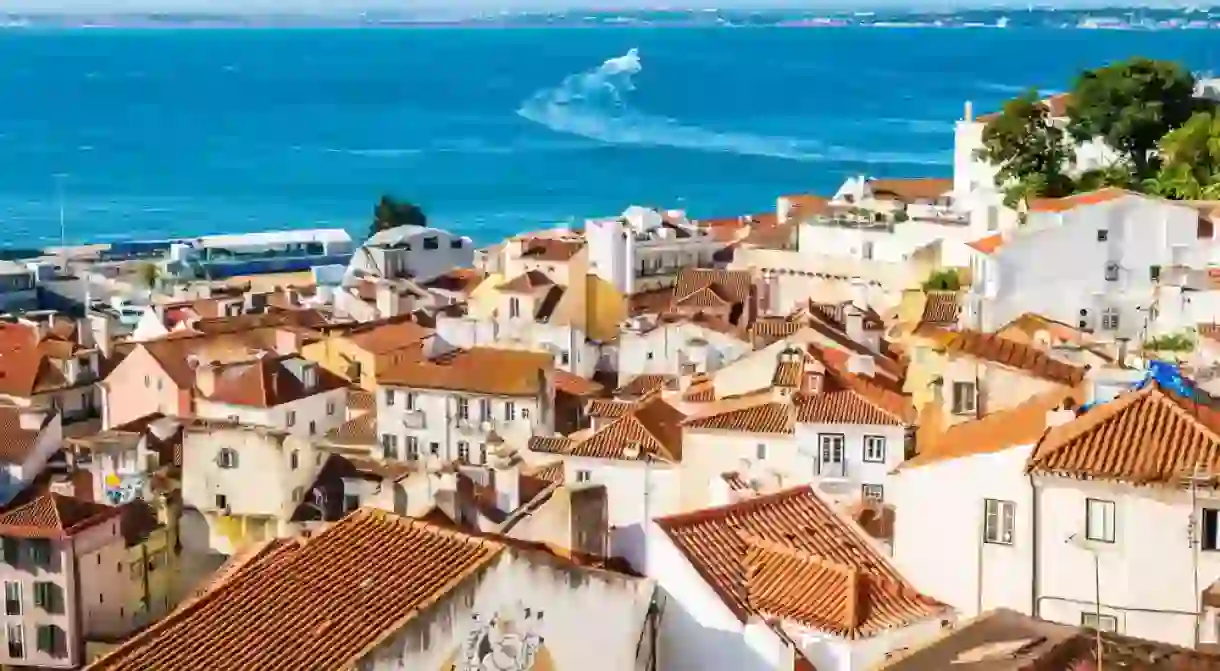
x=775, y=417
x=989, y=244
x=941, y=308
x=480, y=370
x=1072, y=202
x=54, y=516
x=996, y=349
x=647, y=383
x=317, y=603
x=733, y=286
x=652, y=429
x=1149, y=436
x=789, y=555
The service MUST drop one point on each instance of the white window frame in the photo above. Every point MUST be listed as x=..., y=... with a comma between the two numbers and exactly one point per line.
x=1099, y=520
x=760, y=451
x=961, y=401
x=874, y=450
x=1211, y=544
x=463, y=407
x=463, y=451
x=412, y=448
x=830, y=448
x=14, y=587
x=410, y=402
x=999, y=521
x=1111, y=271
x=583, y=476
x=1109, y=319
x=514, y=307
x=1099, y=622
x=227, y=458
x=510, y=411
x=18, y=627
x=872, y=492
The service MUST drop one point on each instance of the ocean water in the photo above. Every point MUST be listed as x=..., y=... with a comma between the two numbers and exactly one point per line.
x=184, y=132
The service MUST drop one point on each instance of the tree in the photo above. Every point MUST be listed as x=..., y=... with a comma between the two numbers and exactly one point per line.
x=148, y=273
x=1132, y=105
x=391, y=213
x=1032, y=153
x=943, y=280
x=1190, y=160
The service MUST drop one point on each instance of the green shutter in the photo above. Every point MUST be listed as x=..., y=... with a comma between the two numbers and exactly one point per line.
x=44, y=638
x=40, y=595
x=9, y=548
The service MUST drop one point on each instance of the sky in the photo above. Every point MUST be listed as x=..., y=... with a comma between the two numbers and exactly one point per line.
x=355, y=6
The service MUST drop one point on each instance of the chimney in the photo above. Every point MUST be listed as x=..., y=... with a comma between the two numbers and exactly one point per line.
x=968, y=113
x=811, y=382
x=862, y=364
x=387, y=300
x=854, y=324
x=1123, y=345
x=205, y=379
x=100, y=326
x=31, y=418
x=590, y=519
x=853, y=613
x=507, y=483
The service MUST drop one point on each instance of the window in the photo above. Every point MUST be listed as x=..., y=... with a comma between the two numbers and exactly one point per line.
x=564, y=358
x=761, y=451
x=298, y=494
x=50, y=639
x=12, y=598
x=431, y=242
x=1154, y=273
x=1103, y=235
x=1109, y=319
x=330, y=408
x=291, y=419
x=963, y=398
x=434, y=449
x=484, y=409
x=147, y=381
x=525, y=413
x=463, y=451
x=412, y=448
x=9, y=548
x=872, y=493
x=389, y=398
x=46, y=596
x=1099, y=520
x=1111, y=272
x=583, y=476
x=1211, y=530
x=999, y=519
x=16, y=639
x=510, y=411
x=411, y=400
x=455, y=243
x=831, y=448
x=1099, y=622
x=389, y=446
x=463, y=408
x=350, y=502
x=226, y=458
x=222, y=502
x=648, y=356
x=866, y=250
x=40, y=551
x=514, y=307
x=874, y=449
x=294, y=459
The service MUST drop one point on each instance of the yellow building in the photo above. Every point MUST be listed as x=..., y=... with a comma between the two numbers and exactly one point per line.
x=358, y=353
x=152, y=560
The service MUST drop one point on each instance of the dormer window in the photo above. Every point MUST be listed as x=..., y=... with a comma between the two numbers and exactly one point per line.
x=309, y=376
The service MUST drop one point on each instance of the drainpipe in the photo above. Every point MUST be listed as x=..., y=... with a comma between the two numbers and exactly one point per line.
x=1034, y=598
x=980, y=541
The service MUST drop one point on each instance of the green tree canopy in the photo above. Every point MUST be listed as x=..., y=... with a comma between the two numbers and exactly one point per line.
x=391, y=213
x=1132, y=105
x=943, y=280
x=1190, y=160
x=148, y=273
x=1032, y=153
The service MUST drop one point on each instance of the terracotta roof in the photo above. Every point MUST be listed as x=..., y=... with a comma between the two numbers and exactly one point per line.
x=806, y=205
x=550, y=249
x=911, y=190
x=608, y=408
x=647, y=383
x=764, y=417
x=459, y=280
x=318, y=603
x=359, y=399
x=787, y=374
x=846, y=406
x=526, y=283
x=650, y=302
x=780, y=236
x=550, y=444
x=768, y=330
x=1149, y=436
x=1005, y=640
x=575, y=385
x=359, y=431
x=941, y=307
x=735, y=482
x=16, y=442
x=705, y=297
x=29, y=363
x=989, y=244
x=1056, y=105
x=1023, y=424
x=481, y=370
x=651, y=430
x=54, y=516
x=1072, y=202
x=836, y=314
x=733, y=286
x=703, y=391
x=996, y=349
x=789, y=555
x=552, y=473
x=268, y=382
x=388, y=337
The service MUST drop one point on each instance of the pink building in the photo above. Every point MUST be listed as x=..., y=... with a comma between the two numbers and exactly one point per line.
x=64, y=581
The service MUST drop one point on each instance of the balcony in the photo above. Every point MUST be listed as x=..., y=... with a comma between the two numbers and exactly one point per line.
x=414, y=419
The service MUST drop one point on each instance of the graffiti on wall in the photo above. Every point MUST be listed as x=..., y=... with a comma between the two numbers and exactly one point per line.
x=508, y=640
x=124, y=488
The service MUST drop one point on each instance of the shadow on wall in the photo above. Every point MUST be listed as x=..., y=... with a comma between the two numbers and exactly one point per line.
x=689, y=645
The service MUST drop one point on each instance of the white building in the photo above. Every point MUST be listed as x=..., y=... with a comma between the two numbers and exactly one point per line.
x=288, y=393
x=32, y=435
x=780, y=581
x=1115, y=510
x=418, y=253
x=644, y=248
x=1096, y=260
x=451, y=407
x=675, y=345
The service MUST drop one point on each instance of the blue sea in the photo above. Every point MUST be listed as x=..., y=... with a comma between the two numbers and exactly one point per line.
x=184, y=132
